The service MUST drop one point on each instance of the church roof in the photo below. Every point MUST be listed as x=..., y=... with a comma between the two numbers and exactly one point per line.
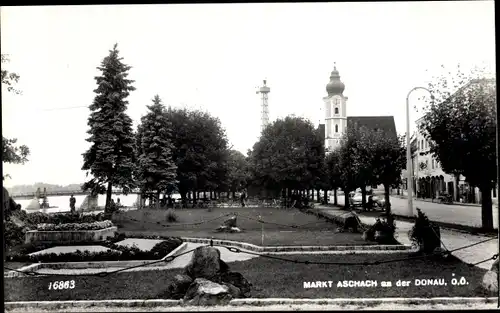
x=384, y=123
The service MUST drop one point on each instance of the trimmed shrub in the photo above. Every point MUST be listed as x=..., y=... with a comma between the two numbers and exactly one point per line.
x=171, y=217
x=425, y=234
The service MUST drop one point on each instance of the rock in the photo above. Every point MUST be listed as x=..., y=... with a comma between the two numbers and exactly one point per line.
x=495, y=266
x=230, y=222
x=205, y=263
x=228, y=229
x=233, y=290
x=221, y=229
x=177, y=289
x=237, y=280
x=205, y=292
x=490, y=281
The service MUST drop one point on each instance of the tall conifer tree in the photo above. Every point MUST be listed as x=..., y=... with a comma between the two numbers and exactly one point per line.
x=156, y=170
x=111, y=156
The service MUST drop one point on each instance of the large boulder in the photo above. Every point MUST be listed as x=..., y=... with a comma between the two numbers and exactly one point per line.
x=205, y=263
x=237, y=280
x=490, y=281
x=177, y=289
x=204, y=292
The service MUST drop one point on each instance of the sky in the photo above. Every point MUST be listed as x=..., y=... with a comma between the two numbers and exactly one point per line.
x=214, y=56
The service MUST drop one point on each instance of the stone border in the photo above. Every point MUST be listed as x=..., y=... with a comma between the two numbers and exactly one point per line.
x=97, y=264
x=95, y=305
x=96, y=235
x=273, y=249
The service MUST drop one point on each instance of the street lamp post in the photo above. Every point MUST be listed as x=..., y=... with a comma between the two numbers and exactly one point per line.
x=409, y=169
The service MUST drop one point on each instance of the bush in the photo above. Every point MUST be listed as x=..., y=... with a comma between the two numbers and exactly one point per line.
x=383, y=230
x=171, y=216
x=13, y=234
x=425, y=234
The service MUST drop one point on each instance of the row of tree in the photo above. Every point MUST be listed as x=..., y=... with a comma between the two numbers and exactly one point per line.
x=173, y=150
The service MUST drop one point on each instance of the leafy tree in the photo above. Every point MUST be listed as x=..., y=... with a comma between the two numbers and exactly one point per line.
x=200, y=150
x=349, y=178
x=10, y=152
x=111, y=157
x=333, y=172
x=238, y=175
x=388, y=160
x=461, y=127
x=156, y=170
x=289, y=154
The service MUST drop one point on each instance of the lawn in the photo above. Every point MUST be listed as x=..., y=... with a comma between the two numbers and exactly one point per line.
x=312, y=230
x=270, y=279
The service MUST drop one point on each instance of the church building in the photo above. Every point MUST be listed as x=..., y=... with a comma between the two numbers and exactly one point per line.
x=336, y=118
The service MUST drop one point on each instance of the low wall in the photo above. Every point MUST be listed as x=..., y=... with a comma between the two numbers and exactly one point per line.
x=69, y=236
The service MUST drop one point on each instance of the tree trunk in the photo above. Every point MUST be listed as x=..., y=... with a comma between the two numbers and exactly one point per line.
x=325, y=196
x=457, y=192
x=387, y=199
x=318, y=195
x=486, y=207
x=234, y=194
x=346, y=199
x=312, y=195
x=335, y=197
x=158, y=199
x=363, y=197
x=109, y=193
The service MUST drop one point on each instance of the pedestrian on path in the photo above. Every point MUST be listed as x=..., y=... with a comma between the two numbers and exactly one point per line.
x=72, y=202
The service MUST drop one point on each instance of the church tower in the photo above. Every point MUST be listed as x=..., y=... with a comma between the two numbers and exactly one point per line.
x=335, y=111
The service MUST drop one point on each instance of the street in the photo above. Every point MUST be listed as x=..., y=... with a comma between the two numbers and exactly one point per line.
x=446, y=213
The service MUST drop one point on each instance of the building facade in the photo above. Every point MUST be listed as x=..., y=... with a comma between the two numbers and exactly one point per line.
x=430, y=181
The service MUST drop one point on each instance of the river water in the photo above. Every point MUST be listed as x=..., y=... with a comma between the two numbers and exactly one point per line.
x=61, y=203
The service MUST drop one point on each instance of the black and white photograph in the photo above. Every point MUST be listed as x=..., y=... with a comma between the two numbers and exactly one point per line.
x=250, y=157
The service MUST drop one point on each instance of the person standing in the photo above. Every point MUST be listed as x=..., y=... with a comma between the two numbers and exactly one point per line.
x=72, y=202
x=243, y=197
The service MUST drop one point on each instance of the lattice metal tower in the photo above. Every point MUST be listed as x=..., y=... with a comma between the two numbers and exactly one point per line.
x=264, y=91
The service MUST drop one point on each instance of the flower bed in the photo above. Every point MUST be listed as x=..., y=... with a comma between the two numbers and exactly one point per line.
x=74, y=226
x=114, y=253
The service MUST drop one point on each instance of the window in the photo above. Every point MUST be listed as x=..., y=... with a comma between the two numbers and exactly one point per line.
x=422, y=144
x=336, y=110
x=426, y=163
x=432, y=164
x=418, y=145
x=336, y=128
x=337, y=101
